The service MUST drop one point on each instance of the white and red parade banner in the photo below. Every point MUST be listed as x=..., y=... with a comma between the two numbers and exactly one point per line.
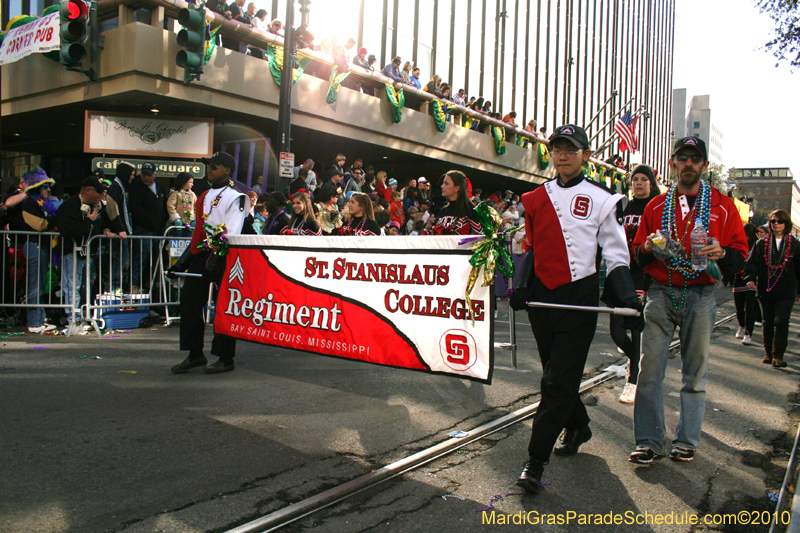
x=394, y=301
x=38, y=36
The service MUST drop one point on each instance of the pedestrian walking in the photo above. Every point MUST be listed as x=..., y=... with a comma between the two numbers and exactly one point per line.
x=772, y=270
x=566, y=219
x=681, y=295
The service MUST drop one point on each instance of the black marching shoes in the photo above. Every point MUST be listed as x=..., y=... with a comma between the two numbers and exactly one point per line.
x=531, y=477
x=572, y=440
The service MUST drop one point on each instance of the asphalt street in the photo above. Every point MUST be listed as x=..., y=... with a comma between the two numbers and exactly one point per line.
x=99, y=436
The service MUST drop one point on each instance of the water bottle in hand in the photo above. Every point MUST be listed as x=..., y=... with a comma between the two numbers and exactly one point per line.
x=699, y=238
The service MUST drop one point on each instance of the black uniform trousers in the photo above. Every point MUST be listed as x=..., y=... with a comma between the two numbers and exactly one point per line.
x=776, y=312
x=193, y=297
x=563, y=339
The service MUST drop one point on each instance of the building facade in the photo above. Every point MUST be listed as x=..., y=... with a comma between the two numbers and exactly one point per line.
x=766, y=188
x=692, y=118
x=553, y=61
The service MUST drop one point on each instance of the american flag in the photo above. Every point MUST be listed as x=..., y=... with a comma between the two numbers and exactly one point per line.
x=626, y=129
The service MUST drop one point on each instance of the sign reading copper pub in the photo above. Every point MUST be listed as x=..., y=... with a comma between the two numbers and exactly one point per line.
x=397, y=302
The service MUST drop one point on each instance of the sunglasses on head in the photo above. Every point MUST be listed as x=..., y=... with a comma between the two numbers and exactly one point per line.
x=683, y=158
x=777, y=221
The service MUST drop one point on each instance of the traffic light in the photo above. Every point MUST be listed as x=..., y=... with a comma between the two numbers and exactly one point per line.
x=73, y=15
x=193, y=39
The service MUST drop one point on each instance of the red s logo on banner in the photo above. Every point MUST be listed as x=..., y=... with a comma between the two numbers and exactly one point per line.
x=581, y=207
x=458, y=349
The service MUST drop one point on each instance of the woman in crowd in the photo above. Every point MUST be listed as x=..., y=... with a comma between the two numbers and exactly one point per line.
x=362, y=218
x=772, y=269
x=745, y=297
x=180, y=203
x=338, y=164
x=38, y=215
x=412, y=182
x=434, y=86
x=380, y=184
x=303, y=220
x=411, y=198
x=406, y=73
x=328, y=215
x=645, y=188
x=458, y=217
x=369, y=184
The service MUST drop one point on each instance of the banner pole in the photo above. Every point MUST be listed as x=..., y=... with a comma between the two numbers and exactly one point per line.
x=512, y=317
x=622, y=311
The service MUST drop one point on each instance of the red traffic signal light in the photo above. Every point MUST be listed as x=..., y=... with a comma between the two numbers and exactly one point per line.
x=76, y=9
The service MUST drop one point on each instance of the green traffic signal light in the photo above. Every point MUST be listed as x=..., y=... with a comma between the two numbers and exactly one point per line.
x=192, y=39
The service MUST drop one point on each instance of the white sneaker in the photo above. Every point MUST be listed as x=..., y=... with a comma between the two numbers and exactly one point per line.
x=759, y=324
x=620, y=350
x=628, y=393
x=747, y=341
x=740, y=332
x=41, y=329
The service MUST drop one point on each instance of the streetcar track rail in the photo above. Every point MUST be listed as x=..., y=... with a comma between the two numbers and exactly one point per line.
x=330, y=497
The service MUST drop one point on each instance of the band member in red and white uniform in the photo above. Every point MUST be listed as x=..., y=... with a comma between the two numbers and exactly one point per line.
x=458, y=218
x=303, y=220
x=566, y=219
x=222, y=204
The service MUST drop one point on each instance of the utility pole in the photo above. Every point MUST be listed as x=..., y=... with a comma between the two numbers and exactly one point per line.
x=287, y=77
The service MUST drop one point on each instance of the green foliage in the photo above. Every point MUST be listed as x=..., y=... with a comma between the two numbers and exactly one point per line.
x=718, y=177
x=786, y=16
x=760, y=216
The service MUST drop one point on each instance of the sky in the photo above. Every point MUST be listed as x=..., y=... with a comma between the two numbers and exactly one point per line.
x=719, y=51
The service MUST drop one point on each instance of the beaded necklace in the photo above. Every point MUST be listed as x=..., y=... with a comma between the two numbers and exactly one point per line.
x=774, y=272
x=186, y=200
x=360, y=228
x=217, y=199
x=700, y=214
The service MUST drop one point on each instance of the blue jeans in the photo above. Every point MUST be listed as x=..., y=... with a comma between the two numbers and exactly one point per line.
x=73, y=260
x=696, y=321
x=36, y=258
x=141, y=269
x=120, y=257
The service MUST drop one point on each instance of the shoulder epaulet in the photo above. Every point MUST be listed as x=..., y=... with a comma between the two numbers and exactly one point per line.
x=600, y=185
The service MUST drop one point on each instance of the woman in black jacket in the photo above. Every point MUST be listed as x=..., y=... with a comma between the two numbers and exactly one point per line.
x=362, y=221
x=745, y=297
x=645, y=188
x=772, y=270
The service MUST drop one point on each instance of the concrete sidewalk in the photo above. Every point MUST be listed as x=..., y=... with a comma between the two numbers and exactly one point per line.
x=120, y=444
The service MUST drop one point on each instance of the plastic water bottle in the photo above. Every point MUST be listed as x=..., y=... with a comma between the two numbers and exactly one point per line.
x=699, y=238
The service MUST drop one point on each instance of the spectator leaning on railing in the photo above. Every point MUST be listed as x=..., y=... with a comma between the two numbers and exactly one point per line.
x=392, y=70
x=148, y=203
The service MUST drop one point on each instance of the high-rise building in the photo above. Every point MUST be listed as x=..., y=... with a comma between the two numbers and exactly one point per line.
x=693, y=119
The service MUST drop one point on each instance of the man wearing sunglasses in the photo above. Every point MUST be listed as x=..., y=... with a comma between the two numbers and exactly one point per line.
x=566, y=220
x=681, y=296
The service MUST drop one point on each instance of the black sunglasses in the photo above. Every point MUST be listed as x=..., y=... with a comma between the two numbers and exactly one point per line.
x=777, y=221
x=682, y=158
x=212, y=166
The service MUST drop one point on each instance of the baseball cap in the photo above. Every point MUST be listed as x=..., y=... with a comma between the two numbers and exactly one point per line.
x=148, y=168
x=221, y=158
x=423, y=179
x=691, y=142
x=95, y=183
x=394, y=223
x=575, y=134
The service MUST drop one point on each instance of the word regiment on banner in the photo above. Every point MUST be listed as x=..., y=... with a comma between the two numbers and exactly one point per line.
x=396, y=302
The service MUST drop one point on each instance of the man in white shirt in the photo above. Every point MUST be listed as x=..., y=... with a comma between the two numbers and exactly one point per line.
x=311, y=181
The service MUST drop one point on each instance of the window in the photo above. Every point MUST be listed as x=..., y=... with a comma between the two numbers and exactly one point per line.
x=758, y=190
x=777, y=204
x=766, y=190
x=697, y=124
x=777, y=190
x=751, y=190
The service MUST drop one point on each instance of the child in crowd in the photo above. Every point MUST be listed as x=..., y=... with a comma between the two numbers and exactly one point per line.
x=396, y=208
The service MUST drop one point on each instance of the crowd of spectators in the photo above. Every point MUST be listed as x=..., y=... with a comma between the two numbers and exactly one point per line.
x=348, y=54
x=399, y=205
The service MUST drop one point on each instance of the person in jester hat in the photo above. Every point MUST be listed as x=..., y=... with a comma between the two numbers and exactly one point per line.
x=681, y=295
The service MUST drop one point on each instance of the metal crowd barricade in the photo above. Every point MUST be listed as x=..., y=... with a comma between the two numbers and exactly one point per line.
x=129, y=274
x=31, y=267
